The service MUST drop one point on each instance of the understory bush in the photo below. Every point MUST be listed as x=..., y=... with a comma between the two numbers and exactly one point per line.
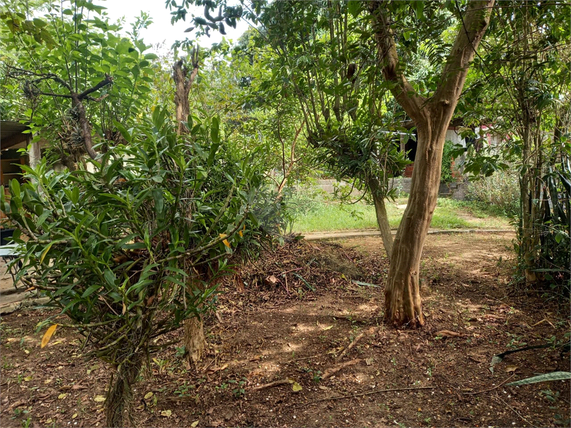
x=132, y=247
x=500, y=190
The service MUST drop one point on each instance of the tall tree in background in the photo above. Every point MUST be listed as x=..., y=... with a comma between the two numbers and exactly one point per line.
x=523, y=90
x=77, y=74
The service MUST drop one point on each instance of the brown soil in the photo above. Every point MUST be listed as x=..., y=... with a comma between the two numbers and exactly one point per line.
x=286, y=322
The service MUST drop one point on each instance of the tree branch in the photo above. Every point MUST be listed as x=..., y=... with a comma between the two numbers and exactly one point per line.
x=469, y=36
x=401, y=89
x=107, y=81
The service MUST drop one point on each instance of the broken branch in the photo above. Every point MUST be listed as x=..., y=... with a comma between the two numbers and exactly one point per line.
x=330, y=372
x=348, y=348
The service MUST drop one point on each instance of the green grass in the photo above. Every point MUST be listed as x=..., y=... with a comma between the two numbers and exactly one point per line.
x=449, y=214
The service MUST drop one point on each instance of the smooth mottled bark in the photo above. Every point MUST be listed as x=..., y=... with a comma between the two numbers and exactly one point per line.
x=381, y=214
x=183, y=79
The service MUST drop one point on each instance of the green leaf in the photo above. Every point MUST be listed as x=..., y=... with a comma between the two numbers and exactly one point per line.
x=418, y=8
x=43, y=217
x=15, y=188
x=547, y=377
x=90, y=290
x=354, y=8
x=215, y=130
x=110, y=277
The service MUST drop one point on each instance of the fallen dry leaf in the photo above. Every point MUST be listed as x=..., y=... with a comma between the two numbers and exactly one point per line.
x=447, y=333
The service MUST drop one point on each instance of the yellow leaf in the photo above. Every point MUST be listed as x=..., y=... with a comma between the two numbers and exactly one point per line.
x=240, y=233
x=48, y=335
x=99, y=399
x=194, y=424
x=223, y=235
x=226, y=243
x=45, y=252
x=28, y=378
x=166, y=413
x=74, y=416
x=148, y=395
x=61, y=396
x=296, y=387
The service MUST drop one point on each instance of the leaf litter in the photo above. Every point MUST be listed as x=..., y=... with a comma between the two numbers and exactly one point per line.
x=301, y=328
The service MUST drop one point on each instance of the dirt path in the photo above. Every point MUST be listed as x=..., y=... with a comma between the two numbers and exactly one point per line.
x=313, y=350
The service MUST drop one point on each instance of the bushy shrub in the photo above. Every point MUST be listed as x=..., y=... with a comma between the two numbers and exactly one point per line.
x=129, y=250
x=500, y=190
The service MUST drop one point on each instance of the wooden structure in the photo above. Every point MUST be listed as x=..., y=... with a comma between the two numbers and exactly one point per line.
x=13, y=136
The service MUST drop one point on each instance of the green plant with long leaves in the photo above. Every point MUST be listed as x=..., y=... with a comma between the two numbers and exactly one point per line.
x=131, y=249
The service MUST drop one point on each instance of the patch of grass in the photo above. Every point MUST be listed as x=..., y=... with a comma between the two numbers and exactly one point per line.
x=449, y=214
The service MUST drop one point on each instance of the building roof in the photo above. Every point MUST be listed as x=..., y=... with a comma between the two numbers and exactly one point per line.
x=12, y=133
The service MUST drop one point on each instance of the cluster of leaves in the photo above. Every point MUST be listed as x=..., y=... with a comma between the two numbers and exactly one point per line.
x=554, y=226
x=130, y=250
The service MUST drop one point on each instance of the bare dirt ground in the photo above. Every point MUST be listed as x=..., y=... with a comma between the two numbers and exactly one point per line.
x=298, y=343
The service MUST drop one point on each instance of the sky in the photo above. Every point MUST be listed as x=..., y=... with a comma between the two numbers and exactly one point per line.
x=161, y=31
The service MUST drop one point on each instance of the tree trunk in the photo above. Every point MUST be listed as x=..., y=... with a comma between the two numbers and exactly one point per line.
x=431, y=117
x=183, y=82
x=120, y=394
x=194, y=339
x=402, y=293
x=382, y=216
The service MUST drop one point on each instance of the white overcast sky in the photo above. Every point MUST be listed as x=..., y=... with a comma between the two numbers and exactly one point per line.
x=161, y=30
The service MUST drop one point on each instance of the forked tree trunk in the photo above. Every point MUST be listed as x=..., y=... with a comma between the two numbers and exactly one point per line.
x=402, y=294
x=431, y=117
x=120, y=394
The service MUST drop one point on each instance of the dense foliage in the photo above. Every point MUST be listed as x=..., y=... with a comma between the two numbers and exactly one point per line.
x=130, y=247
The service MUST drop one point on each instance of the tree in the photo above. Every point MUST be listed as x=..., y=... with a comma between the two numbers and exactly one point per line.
x=523, y=91
x=430, y=114
x=320, y=59
x=77, y=75
x=431, y=117
x=183, y=78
